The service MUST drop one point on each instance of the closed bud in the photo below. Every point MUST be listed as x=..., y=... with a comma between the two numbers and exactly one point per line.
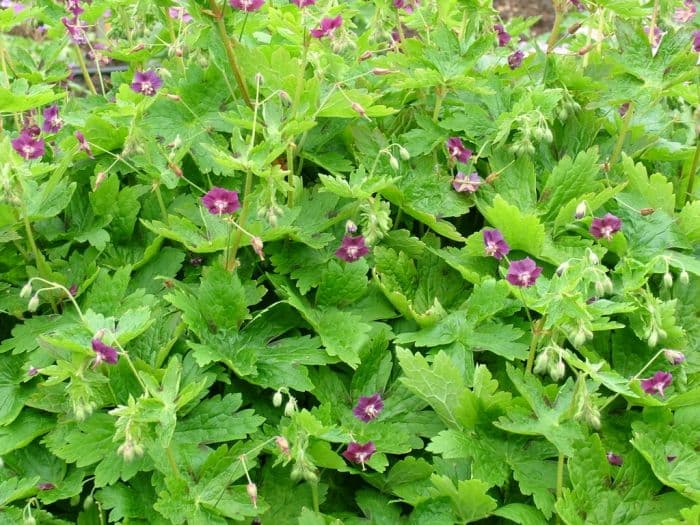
x=179, y=52
x=557, y=371
x=581, y=210
x=33, y=303
x=646, y=211
x=357, y=108
x=541, y=363
x=290, y=407
x=599, y=288
x=562, y=268
x=350, y=227
x=296, y=472
x=668, y=280
x=252, y=491
x=593, y=417
x=310, y=476
x=277, y=399
x=592, y=257
x=548, y=137
x=137, y=48
x=259, y=78
x=585, y=49
x=580, y=338
x=100, y=178
x=173, y=96
x=285, y=97
x=684, y=278
x=257, y=244
x=29, y=520
x=573, y=28
x=88, y=502
x=653, y=338
x=662, y=333
x=126, y=450
x=394, y=163
x=26, y=291
x=607, y=284
x=366, y=55
x=282, y=444
x=405, y=155
x=382, y=71
x=674, y=357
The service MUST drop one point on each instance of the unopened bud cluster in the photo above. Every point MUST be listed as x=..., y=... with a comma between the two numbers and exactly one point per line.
x=550, y=361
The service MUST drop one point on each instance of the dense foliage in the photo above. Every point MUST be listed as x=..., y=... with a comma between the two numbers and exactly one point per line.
x=363, y=262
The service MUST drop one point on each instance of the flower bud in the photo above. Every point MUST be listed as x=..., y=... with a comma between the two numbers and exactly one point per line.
x=394, y=163
x=366, y=55
x=173, y=96
x=29, y=520
x=557, y=371
x=542, y=361
x=277, y=399
x=26, y=291
x=592, y=257
x=684, y=278
x=653, y=338
x=252, y=490
x=674, y=357
x=99, y=179
x=2, y=463
x=357, y=108
x=32, y=371
x=282, y=444
x=562, y=268
x=599, y=288
x=607, y=284
x=290, y=407
x=668, y=280
x=296, y=472
x=592, y=416
x=662, y=333
x=405, y=155
x=382, y=71
x=257, y=244
x=33, y=303
x=350, y=227
x=580, y=338
x=310, y=476
x=127, y=451
x=646, y=211
x=581, y=210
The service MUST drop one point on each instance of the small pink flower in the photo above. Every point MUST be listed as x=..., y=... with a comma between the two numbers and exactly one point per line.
x=327, y=26
x=146, y=82
x=352, y=248
x=28, y=146
x=657, y=383
x=495, y=245
x=457, y=150
x=674, y=357
x=179, y=13
x=515, y=59
x=523, y=273
x=76, y=29
x=406, y=5
x=303, y=3
x=686, y=13
x=52, y=122
x=696, y=41
x=614, y=459
x=502, y=35
x=464, y=183
x=221, y=201
x=605, y=227
x=83, y=144
x=104, y=353
x=247, y=6
x=358, y=453
x=368, y=407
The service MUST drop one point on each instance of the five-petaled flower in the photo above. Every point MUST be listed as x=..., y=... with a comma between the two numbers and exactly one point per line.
x=368, y=407
x=515, y=59
x=52, y=122
x=146, y=82
x=675, y=357
x=523, y=273
x=247, y=6
x=502, y=35
x=76, y=29
x=104, y=353
x=457, y=150
x=83, y=144
x=614, y=459
x=464, y=183
x=74, y=7
x=657, y=383
x=495, y=244
x=179, y=13
x=28, y=146
x=220, y=200
x=358, y=453
x=605, y=227
x=352, y=248
x=303, y=3
x=327, y=26
x=686, y=13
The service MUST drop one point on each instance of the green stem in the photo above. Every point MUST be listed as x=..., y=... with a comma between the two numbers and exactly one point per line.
x=242, y=220
x=554, y=35
x=314, y=496
x=84, y=69
x=228, y=46
x=171, y=460
x=560, y=477
x=693, y=170
x=161, y=204
x=626, y=121
x=439, y=97
x=228, y=246
x=38, y=257
x=533, y=346
x=290, y=175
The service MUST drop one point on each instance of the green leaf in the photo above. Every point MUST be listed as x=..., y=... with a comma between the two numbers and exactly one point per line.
x=21, y=96
x=469, y=498
x=522, y=231
x=521, y=513
x=342, y=284
x=29, y=425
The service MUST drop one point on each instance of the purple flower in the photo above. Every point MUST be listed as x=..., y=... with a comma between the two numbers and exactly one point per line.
x=657, y=35
x=327, y=26
x=407, y=33
x=221, y=200
x=352, y=248
x=32, y=371
x=73, y=290
x=303, y=3
x=31, y=129
x=76, y=29
x=406, y=5
x=28, y=146
x=657, y=383
x=248, y=6
x=674, y=356
x=696, y=41
x=614, y=459
x=464, y=183
x=104, y=353
x=605, y=227
x=359, y=453
x=502, y=35
x=368, y=407
x=523, y=273
x=577, y=4
x=83, y=144
x=622, y=110
x=179, y=13
x=457, y=151
x=74, y=7
x=495, y=244
x=686, y=13
x=516, y=59
x=52, y=122
x=146, y=82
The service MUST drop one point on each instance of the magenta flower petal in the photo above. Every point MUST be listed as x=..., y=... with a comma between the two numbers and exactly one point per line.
x=28, y=146
x=179, y=13
x=303, y=3
x=406, y=5
x=146, y=82
x=220, y=200
x=614, y=459
x=327, y=26
x=523, y=273
x=657, y=383
x=352, y=248
x=368, y=407
x=464, y=183
x=495, y=245
x=83, y=144
x=52, y=122
x=605, y=227
x=686, y=13
x=515, y=59
x=104, y=353
x=247, y=6
x=696, y=41
x=76, y=29
x=457, y=151
x=502, y=35
x=358, y=453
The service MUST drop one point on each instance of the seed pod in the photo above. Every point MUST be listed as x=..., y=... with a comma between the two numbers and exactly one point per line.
x=573, y=28
x=366, y=55
x=646, y=211
x=382, y=71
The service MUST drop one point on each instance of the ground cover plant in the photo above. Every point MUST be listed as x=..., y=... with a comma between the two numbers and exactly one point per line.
x=363, y=262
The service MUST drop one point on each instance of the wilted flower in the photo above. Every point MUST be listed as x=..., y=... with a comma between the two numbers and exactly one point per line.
x=605, y=227
x=352, y=248
x=282, y=444
x=464, y=183
x=248, y=6
x=502, y=35
x=658, y=33
x=220, y=200
x=622, y=110
x=358, y=453
x=28, y=146
x=368, y=407
x=327, y=26
x=406, y=5
x=657, y=383
x=76, y=29
x=614, y=459
x=179, y=13
x=146, y=82
x=83, y=144
x=52, y=122
x=674, y=357
x=74, y=7
x=457, y=150
x=523, y=272
x=252, y=491
x=515, y=59
x=104, y=353
x=577, y=4
x=496, y=245
x=686, y=13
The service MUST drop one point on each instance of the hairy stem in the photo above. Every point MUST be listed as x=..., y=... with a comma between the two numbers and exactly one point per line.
x=693, y=170
x=626, y=121
x=554, y=34
x=231, y=264
x=84, y=69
